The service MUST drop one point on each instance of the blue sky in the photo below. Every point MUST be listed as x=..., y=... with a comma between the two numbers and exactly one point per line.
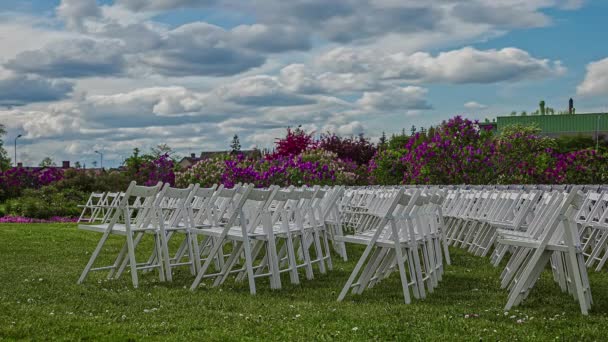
x=83, y=75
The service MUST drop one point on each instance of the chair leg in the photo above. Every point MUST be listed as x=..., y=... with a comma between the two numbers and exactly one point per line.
x=87, y=268
x=132, y=261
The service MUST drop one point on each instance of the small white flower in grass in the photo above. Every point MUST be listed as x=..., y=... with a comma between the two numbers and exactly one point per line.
x=298, y=316
x=355, y=328
x=124, y=317
x=40, y=279
x=520, y=321
x=52, y=314
x=466, y=316
x=512, y=317
x=506, y=313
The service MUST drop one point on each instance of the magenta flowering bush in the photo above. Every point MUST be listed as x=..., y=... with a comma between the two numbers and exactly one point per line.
x=577, y=167
x=157, y=170
x=360, y=150
x=458, y=153
x=14, y=180
x=295, y=142
x=312, y=167
x=49, y=176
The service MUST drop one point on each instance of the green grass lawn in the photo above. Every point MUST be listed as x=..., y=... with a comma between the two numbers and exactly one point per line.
x=39, y=299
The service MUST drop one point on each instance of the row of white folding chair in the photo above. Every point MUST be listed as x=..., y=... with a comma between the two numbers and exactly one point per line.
x=267, y=240
x=97, y=207
x=187, y=210
x=474, y=216
x=132, y=222
x=552, y=238
x=593, y=221
x=401, y=230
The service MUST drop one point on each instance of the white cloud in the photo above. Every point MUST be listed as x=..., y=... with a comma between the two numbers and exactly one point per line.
x=117, y=74
x=596, y=79
x=474, y=105
x=395, y=99
x=74, y=12
x=160, y=5
x=72, y=59
x=465, y=65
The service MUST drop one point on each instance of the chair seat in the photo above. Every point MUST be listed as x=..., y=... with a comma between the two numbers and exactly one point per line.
x=258, y=233
x=118, y=229
x=365, y=237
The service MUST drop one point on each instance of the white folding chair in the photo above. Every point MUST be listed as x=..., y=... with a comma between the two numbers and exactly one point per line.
x=132, y=222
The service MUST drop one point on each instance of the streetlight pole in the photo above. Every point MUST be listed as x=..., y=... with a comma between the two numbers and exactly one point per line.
x=100, y=159
x=19, y=136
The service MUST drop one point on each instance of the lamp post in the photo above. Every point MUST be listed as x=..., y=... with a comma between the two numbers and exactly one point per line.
x=19, y=136
x=100, y=159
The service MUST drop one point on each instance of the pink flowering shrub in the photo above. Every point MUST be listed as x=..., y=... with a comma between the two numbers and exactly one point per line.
x=360, y=149
x=577, y=167
x=459, y=152
x=157, y=170
x=308, y=168
x=295, y=142
x=14, y=180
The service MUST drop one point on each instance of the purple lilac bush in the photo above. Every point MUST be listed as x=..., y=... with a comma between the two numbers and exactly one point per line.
x=14, y=180
x=459, y=152
x=310, y=167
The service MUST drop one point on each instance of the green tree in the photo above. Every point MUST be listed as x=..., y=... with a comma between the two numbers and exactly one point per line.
x=382, y=142
x=5, y=161
x=47, y=161
x=162, y=149
x=413, y=130
x=77, y=165
x=235, y=145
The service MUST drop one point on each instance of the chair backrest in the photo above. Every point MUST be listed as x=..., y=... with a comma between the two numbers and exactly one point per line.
x=136, y=206
x=172, y=206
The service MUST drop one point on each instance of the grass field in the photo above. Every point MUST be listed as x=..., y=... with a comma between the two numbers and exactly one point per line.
x=39, y=299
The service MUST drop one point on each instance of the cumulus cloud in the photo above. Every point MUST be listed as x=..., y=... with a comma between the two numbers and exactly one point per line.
x=200, y=49
x=303, y=79
x=596, y=79
x=474, y=105
x=266, y=38
x=466, y=65
x=74, y=12
x=19, y=90
x=160, y=5
x=72, y=59
x=261, y=91
x=140, y=80
x=347, y=20
x=397, y=98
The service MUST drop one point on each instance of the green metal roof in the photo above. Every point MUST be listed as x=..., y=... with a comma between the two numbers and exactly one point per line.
x=562, y=123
